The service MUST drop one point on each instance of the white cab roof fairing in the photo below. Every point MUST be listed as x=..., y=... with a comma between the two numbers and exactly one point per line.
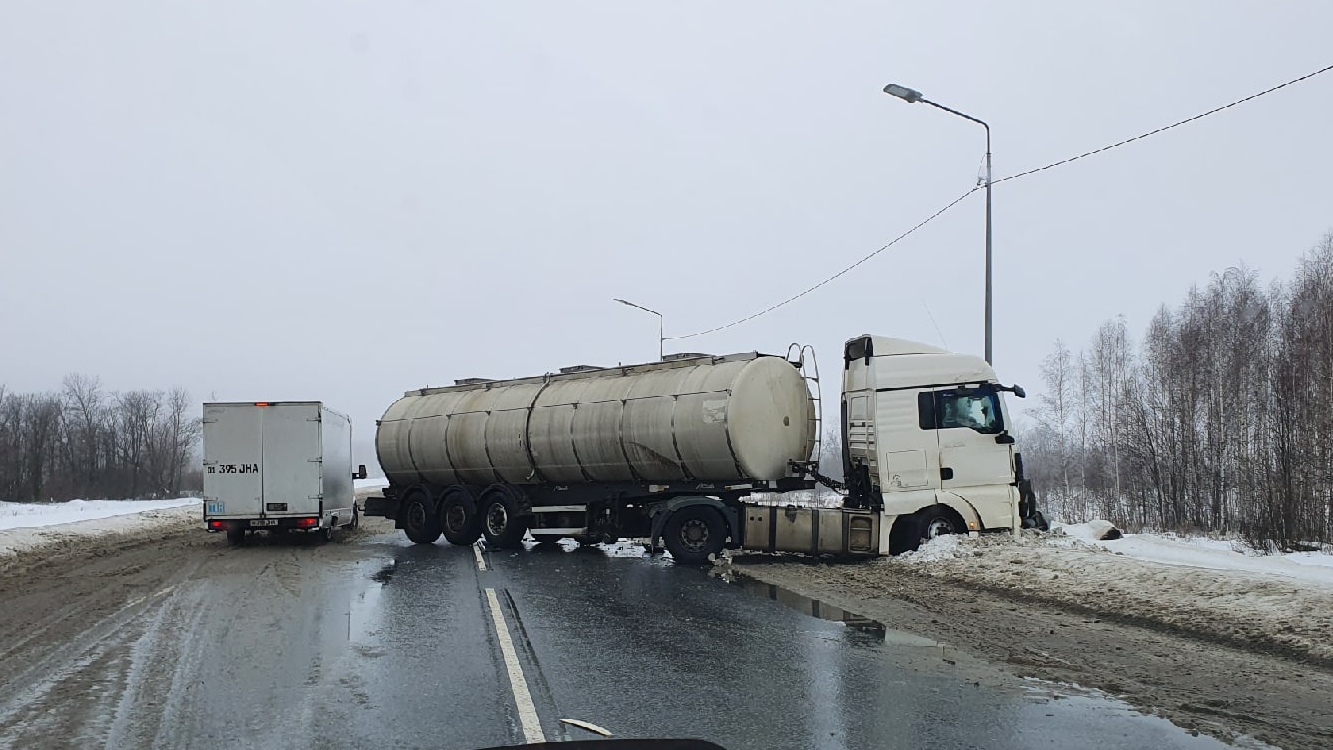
x=911, y=364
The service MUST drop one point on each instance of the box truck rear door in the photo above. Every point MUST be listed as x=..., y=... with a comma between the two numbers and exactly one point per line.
x=233, y=473
x=291, y=460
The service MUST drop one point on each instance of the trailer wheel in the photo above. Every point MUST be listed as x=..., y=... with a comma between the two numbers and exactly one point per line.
x=235, y=535
x=458, y=518
x=420, y=522
x=500, y=521
x=693, y=533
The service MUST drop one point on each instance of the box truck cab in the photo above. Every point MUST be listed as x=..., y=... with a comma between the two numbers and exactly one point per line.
x=927, y=443
x=277, y=466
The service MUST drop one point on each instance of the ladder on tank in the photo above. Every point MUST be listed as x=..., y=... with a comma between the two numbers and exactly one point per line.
x=810, y=372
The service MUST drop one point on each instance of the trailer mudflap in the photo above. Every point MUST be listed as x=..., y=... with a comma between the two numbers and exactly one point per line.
x=816, y=531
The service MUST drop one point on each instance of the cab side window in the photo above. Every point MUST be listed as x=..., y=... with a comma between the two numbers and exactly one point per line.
x=977, y=410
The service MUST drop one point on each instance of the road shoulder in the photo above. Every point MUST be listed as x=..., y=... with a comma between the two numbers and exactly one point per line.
x=1184, y=676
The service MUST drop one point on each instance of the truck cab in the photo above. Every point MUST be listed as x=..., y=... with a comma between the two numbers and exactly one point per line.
x=926, y=442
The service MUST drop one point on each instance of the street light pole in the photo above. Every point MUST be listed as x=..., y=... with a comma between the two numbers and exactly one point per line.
x=911, y=96
x=661, y=335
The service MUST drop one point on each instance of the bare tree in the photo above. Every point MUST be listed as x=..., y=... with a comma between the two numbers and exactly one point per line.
x=1219, y=422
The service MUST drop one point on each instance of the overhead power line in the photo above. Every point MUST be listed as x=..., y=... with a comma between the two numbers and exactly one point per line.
x=1162, y=129
x=795, y=297
x=960, y=198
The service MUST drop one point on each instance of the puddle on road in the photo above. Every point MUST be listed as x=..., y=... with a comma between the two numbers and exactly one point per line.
x=825, y=611
x=1042, y=701
x=363, y=612
x=385, y=573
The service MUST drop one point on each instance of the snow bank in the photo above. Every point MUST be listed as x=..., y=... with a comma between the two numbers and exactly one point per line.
x=939, y=548
x=44, y=541
x=37, y=515
x=1207, y=554
x=1095, y=530
x=1283, y=602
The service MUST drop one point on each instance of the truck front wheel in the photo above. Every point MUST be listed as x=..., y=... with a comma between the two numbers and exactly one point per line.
x=420, y=522
x=694, y=533
x=937, y=521
x=500, y=522
x=458, y=517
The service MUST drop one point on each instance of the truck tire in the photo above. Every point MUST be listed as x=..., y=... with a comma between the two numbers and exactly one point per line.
x=936, y=521
x=693, y=533
x=235, y=536
x=459, y=519
x=500, y=521
x=355, y=523
x=420, y=521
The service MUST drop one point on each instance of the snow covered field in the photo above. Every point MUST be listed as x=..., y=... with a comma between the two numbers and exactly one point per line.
x=61, y=527
x=35, y=515
x=1209, y=554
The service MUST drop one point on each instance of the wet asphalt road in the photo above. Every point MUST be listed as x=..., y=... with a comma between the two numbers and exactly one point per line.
x=374, y=642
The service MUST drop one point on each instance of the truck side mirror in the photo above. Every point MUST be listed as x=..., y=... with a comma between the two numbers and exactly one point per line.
x=1004, y=438
x=1018, y=391
x=360, y=472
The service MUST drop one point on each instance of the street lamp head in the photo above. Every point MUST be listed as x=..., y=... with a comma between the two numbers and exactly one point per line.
x=902, y=92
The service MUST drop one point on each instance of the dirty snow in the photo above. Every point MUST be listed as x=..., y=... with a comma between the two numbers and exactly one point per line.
x=66, y=535
x=35, y=515
x=1282, y=602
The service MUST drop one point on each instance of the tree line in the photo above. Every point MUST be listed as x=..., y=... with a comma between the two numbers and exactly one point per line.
x=1220, y=419
x=85, y=442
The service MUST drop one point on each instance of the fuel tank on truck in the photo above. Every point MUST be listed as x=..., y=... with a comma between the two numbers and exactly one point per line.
x=712, y=419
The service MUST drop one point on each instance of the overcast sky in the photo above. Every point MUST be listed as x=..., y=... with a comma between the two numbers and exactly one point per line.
x=342, y=201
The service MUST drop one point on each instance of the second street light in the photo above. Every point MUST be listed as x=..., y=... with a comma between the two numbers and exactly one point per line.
x=911, y=96
x=661, y=337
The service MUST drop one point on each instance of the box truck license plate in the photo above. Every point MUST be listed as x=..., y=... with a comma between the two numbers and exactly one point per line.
x=264, y=522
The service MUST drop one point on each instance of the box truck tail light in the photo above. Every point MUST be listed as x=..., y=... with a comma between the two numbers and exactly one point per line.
x=215, y=524
x=261, y=403
x=306, y=523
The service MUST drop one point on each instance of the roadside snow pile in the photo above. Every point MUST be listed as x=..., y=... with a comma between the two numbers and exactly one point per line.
x=1279, y=602
x=939, y=548
x=1211, y=554
x=60, y=530
x=34, y=515
x=1095, y=530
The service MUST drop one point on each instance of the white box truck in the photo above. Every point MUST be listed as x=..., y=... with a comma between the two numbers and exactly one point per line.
x=278, y=466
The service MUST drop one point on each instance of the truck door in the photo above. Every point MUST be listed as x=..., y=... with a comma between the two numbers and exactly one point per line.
x=233, y=461
x=291, y=459
x=970, y=420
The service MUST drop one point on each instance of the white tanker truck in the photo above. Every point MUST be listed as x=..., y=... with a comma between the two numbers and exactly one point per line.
x=675, y=451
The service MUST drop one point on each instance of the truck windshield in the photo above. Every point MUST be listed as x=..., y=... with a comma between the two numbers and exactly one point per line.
x=976, y=410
